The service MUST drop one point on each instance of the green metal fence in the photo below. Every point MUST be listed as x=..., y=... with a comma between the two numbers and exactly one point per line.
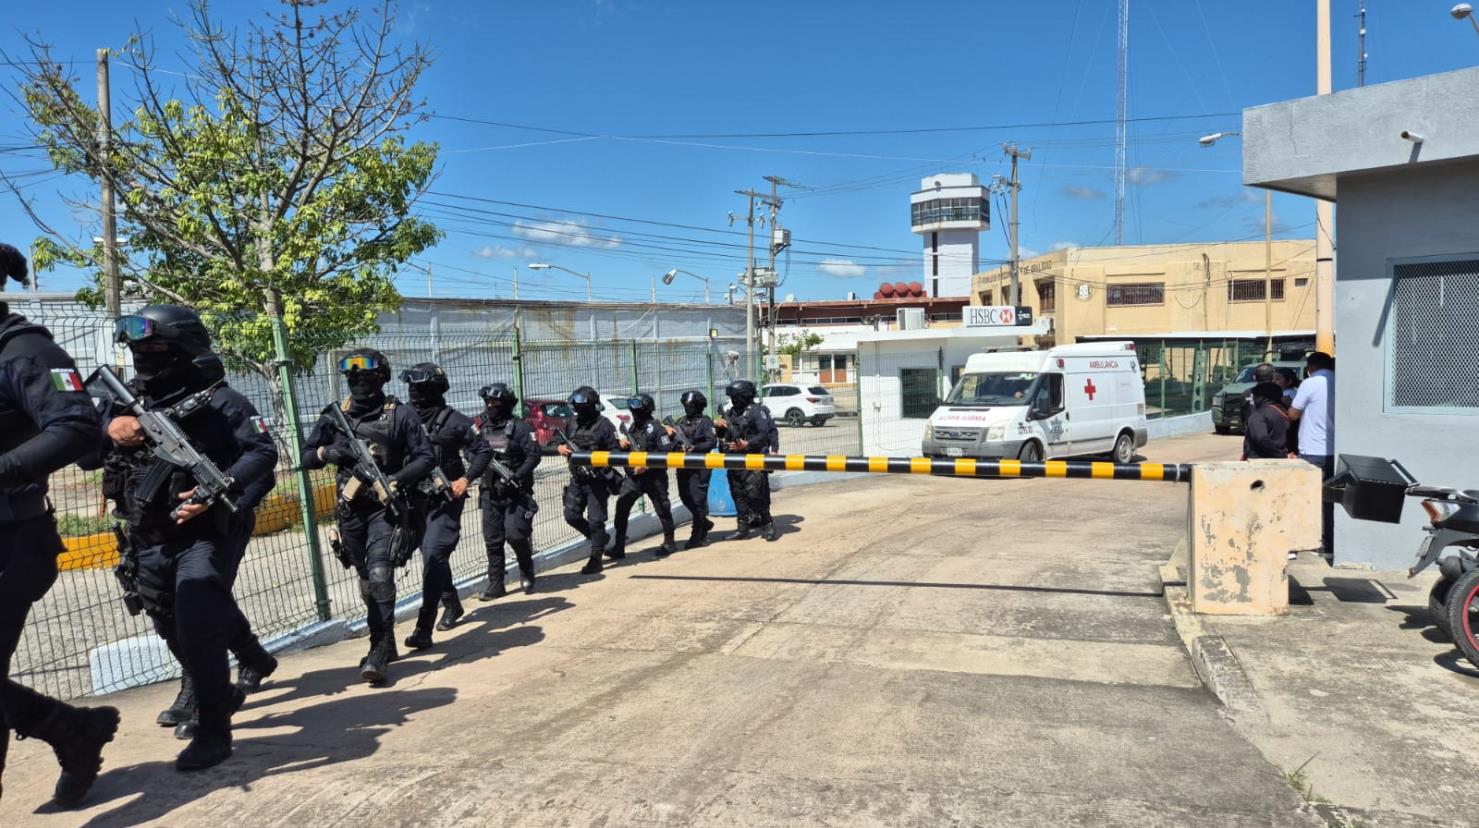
x=81, y=641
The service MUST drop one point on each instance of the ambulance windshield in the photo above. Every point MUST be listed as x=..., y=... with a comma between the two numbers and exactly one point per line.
x=993, y=388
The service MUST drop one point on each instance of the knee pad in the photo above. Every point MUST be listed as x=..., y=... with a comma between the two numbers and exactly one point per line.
x=382, y=582
x=364, y=589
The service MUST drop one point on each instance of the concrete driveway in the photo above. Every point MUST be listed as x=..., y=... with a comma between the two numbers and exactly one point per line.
x=912, y=651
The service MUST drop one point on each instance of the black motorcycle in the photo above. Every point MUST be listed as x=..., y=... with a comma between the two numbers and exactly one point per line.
x=1452, y=543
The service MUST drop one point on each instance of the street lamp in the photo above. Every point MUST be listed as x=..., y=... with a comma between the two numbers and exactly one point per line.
x=585, y=276
x=667, y=279
x=1464, y=10
x=1209, y=140
x=1268, y=249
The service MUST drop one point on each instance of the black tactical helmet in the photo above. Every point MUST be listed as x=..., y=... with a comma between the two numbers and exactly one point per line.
x=365, y=360
x=429, y=373
x=694, y=403
x=741, y=390
x=501, y=392
x=584, y=397
x=12, y=265
x=642, y=404
x=170, y=324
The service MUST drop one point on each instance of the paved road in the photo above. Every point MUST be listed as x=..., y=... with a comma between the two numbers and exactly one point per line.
x=912, y=651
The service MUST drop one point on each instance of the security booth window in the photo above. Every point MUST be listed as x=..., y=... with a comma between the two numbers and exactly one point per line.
x=919, y=392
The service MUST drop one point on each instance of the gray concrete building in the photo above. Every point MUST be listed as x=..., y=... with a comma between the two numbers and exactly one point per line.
x=1401, y=161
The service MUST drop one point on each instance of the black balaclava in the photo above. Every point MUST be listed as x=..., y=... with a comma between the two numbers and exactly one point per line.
x=586, y=413
x=425, y=397
x=165, y=373
x=366, y=391
x=498, y=413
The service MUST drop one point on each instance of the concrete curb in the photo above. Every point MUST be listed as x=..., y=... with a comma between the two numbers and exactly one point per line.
x=1211, y=658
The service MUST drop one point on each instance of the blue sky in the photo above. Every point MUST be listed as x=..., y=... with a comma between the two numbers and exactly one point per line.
x=659, y=111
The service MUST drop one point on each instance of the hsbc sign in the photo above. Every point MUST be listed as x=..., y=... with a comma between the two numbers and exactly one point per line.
x=996, y=316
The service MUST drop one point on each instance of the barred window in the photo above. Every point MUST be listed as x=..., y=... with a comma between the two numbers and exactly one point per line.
x=1251, y=290
x=1047, y=296
x=1431, y=342
x=986, y=298
x=1140, y=293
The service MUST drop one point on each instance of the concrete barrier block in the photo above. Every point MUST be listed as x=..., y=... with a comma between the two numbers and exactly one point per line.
x=1245, y=518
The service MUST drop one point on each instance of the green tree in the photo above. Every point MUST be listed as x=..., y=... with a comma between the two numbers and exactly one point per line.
x=274, y=176
x=794, y=345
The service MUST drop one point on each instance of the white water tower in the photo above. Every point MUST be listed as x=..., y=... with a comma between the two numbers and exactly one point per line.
x=949, y=212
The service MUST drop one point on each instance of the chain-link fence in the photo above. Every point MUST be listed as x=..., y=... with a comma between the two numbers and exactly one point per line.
x=81, y=641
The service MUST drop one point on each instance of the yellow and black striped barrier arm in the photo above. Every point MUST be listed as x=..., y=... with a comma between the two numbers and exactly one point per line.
x=944, y=467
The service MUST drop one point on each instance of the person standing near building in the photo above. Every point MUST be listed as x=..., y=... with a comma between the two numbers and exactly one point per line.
x=1314, y=409
x=695, y=435
x=47, y=421
x=1264, y=436
x=646, y=434
x=367, y=528
x=748, y=429
x=451, y=434
x=508, y=506
x=589, y=489
x=187, y=553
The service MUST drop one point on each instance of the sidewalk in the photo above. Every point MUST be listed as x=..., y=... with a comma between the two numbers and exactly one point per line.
x=913, y=651
x=1357, y=688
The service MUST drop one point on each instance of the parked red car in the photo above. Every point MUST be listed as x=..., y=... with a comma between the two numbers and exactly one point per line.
x=544, y=416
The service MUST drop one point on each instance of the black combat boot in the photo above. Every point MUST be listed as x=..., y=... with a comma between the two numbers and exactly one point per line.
x=210, y=744
x=618, y=550
x=593, y=566
x=253, y=663
x=374, y=666
x=451, y=612
x=769, y=532
x=76, y=736
x=742, y=531
x=526, y=577
x=668, y=545
x=185, y=731
x=182, y=709
x=495, y=589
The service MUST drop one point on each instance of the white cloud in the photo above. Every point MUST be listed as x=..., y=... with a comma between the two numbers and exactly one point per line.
x=1146, y=176
x=1083, y=193
x=842, y=268
x=1027, y=252
x=1064, y=245
x=489, y=251
x=1244, y=196
x=576, y=233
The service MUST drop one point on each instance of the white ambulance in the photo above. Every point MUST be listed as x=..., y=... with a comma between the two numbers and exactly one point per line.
x=1070, y=401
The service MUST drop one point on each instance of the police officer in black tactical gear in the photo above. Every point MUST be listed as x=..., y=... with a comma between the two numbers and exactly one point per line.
x=452, y=435
x=748, y=430
x=367, y=527
x=645, y=434
x=695, y=435
x=589, y=488
x=508, y=506
x=46, y=422
x=187, y=553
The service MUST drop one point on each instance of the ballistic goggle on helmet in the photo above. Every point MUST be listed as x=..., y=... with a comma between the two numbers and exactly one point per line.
x=584, y=397
x=169, y=324
x=365, y=360
x=641, y=404
x=427, y=373
x=498, y=392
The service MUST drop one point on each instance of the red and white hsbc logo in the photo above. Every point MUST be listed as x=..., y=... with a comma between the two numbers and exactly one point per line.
x=989, y=316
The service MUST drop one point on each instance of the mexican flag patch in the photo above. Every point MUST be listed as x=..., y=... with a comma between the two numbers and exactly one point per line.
x=261, y=425
x=65, y=379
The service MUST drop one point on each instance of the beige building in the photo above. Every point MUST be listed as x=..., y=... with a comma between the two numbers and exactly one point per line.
x=1161, y=288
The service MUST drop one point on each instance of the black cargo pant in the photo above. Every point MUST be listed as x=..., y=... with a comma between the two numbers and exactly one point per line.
x=507, y=521
x=693, y=490
x=751, y=491
x=365, y=530
x=443, y=522
x=200, y=619
x=652, y=484
x=28, y=552
x=585, y=508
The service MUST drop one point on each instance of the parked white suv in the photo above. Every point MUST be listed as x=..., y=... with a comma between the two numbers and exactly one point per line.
x=797, y=405
x=614, y=408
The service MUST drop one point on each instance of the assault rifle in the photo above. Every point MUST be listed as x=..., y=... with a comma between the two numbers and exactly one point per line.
x=169, y=443
x=436, y=483
x=366, y=472
x=577, y=472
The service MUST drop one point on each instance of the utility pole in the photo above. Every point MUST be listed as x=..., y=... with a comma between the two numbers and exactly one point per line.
x=1015, y=185
x=1122, y=112
x=428, y=281
x=114, y=286
x=1268, y=271
x=779, y=240
x=1361, y=45
x=1324, y=212
x=516, y=283
x=749, y=277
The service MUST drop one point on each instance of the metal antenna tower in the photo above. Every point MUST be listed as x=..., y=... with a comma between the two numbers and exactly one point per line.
x=1121, y=115
x=1361, y=45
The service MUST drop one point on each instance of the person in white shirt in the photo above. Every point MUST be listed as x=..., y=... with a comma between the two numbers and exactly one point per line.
x=1314, y=411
